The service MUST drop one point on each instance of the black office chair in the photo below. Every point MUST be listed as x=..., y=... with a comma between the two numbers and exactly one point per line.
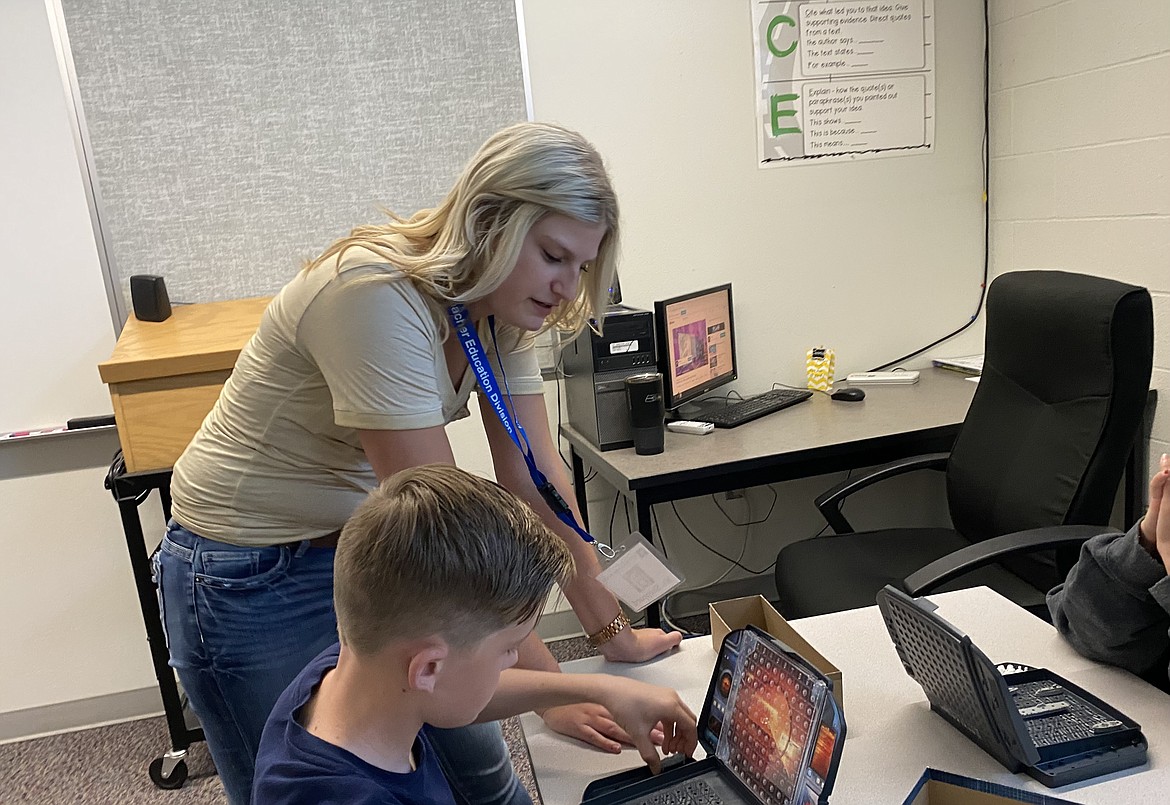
x=1036, y=465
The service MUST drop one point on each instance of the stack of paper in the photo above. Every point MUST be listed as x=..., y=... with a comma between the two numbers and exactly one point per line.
x=968, y=364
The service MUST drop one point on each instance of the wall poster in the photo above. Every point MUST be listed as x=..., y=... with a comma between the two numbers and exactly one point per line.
x=843, y=79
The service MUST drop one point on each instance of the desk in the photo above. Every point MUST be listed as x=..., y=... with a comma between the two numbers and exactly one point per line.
x=812, y=438
x=891, y=733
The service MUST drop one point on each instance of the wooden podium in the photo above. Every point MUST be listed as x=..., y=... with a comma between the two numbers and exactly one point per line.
x=165, y=376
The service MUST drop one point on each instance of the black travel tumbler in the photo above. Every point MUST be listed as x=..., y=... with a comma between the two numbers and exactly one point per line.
x=644, y=397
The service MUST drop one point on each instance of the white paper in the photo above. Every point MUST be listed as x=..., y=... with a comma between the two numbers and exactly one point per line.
x=967, y=363
x=638, y=578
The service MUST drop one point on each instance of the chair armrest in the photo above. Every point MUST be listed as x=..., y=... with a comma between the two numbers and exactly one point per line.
x=829, y=502
x=964, y=560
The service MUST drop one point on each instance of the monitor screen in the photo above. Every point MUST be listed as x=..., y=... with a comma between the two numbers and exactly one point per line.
x=696, y=343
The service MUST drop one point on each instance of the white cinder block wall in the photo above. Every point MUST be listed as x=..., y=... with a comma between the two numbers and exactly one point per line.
x=1080, y=149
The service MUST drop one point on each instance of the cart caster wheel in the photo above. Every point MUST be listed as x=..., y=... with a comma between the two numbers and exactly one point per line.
x=177, y=777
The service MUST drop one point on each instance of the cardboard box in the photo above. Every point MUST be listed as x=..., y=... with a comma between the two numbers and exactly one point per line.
x=936, y=787
x=755, y=610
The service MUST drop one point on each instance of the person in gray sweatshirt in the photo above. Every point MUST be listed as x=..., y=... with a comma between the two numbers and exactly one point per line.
x=1114, y=607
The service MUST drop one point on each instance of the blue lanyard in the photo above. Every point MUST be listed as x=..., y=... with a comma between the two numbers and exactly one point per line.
x=473, y=348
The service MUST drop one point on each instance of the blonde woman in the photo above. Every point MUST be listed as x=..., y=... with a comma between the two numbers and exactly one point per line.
x=352, y=377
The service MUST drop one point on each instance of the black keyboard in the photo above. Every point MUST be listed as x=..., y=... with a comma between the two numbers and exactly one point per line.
x=741, y=411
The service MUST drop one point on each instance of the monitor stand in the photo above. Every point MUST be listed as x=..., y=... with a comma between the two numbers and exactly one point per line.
x=696, y=408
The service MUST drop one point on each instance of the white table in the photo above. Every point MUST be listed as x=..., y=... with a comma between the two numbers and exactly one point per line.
x=892, y=735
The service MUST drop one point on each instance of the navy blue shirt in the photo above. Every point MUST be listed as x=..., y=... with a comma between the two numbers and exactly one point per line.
x=294, y=766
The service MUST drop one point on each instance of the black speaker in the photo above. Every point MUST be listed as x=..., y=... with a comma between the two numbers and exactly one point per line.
x=148, y=293
x=647, y=411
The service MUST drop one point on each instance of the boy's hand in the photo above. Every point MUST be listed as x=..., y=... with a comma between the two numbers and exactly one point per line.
x=1154, y=532
x=639, y=645
x=588, y=722
x=643, y=709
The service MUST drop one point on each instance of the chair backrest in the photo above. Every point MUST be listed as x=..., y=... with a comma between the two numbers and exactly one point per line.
x=1066, y=371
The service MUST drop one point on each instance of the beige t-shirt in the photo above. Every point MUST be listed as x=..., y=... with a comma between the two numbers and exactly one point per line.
x=278, y=457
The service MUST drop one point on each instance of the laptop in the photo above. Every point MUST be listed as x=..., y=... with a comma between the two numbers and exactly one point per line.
x=1029, y=719
x=772, y=731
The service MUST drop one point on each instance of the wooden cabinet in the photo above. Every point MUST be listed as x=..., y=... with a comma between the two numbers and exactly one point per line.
x=165, y=376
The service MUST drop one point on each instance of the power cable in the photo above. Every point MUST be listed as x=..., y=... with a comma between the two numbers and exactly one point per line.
x=986, y=205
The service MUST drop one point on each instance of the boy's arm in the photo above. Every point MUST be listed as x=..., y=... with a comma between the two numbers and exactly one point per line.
x=583, y=720
x=638, y=707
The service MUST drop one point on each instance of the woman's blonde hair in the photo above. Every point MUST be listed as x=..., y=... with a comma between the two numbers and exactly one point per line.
x=464, y=248
x=435, y=550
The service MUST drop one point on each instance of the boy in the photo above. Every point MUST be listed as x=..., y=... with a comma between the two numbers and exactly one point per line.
x=439, y=577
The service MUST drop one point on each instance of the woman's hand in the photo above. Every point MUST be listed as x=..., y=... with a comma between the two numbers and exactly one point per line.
x=1154, y=532
x=639, y=645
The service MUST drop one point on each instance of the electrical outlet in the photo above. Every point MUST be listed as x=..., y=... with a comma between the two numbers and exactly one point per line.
x=734, y=494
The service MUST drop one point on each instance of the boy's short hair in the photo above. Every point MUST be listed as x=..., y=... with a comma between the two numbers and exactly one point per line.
x=436, y=550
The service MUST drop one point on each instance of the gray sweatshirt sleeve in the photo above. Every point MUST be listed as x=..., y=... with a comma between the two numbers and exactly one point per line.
x=1114, y=606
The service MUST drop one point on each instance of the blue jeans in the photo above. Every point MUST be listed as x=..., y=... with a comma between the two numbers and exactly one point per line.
x=241, y=623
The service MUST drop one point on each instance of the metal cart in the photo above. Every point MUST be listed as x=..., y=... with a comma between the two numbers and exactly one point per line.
x=130, y=490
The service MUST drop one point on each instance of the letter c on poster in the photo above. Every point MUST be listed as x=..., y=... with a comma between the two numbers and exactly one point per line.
x=778, y=20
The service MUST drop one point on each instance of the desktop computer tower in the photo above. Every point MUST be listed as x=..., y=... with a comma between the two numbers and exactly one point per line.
x=596, y=368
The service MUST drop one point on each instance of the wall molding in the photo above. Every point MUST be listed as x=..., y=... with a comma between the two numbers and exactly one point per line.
x=79, y=714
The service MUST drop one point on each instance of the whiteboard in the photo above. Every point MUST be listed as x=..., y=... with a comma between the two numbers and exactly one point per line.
x=219, y=144
x=56, y=325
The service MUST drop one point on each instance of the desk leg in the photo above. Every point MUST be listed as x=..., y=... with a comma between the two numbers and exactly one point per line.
x=646, y=529
x=579, y=487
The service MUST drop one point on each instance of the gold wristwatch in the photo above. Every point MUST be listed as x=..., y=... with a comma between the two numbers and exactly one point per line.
x=610, y=630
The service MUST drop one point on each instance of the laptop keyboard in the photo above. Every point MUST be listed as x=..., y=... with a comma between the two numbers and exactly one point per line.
x=688, y=792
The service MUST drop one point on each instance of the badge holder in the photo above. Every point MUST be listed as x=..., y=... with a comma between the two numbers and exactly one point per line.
x=636, y=571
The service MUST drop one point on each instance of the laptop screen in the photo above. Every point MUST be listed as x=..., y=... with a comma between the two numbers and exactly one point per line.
x=766, y=716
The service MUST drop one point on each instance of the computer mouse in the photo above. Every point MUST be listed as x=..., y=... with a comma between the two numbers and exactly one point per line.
x=849, y=394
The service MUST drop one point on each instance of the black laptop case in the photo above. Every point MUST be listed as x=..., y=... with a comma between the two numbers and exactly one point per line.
x=1030, y=720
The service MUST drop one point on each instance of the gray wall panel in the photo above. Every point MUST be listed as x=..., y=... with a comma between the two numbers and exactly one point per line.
x=231, y=140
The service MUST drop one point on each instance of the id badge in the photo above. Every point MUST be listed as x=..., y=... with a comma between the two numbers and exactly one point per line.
x=638, y=573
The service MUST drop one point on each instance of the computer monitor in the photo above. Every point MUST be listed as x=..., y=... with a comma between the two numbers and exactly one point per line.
x=696, y=343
